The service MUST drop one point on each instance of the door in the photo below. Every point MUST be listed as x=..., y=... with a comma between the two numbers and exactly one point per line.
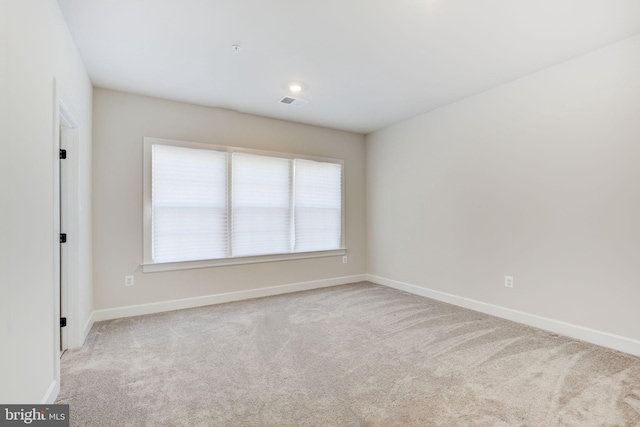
x=64, y=252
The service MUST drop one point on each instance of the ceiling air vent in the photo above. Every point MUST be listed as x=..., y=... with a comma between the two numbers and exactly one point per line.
x=297, y=102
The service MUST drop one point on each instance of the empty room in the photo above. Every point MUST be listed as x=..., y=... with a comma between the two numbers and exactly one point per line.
x=337, y=213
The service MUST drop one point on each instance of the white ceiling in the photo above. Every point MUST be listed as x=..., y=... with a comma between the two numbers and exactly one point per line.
x=363, y=64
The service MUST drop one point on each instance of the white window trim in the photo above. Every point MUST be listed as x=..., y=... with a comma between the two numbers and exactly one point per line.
x=149, y=266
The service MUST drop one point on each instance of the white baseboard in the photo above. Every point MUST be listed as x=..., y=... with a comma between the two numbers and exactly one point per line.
x=51, y=394
x=86, y=329
x=157, y=307
x=605, y=339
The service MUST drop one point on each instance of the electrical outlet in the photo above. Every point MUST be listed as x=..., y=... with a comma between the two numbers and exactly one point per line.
x=344, y=259
x=128, y=280
x=508, y=281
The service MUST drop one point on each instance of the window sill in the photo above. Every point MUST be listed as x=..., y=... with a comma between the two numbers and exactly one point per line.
x=189, y=265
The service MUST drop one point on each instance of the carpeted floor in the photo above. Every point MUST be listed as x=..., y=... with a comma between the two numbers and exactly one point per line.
x=353, y=355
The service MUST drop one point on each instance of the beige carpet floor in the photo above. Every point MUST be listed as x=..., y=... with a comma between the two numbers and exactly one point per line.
x=353, y=355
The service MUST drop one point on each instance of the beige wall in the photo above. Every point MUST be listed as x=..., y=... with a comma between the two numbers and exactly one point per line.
x=537, y=179
x=35, y=49
x=122, y=120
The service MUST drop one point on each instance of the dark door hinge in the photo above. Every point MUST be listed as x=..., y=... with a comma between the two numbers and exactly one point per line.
x=63, y=237
x=63, y=322
x=63, y=154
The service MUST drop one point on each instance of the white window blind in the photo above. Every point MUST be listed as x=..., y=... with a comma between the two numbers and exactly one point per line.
x=318, y=205
x=217, y=205
x=261, y=205
x=189, y=201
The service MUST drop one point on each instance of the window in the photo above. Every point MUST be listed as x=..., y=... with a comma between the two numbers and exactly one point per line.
x=261, y=211
x=211, y=205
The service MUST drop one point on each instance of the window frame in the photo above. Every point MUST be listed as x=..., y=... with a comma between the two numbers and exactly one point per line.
x=147, y=261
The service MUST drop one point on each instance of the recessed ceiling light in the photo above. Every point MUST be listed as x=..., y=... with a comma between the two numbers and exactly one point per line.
x=295, y=88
